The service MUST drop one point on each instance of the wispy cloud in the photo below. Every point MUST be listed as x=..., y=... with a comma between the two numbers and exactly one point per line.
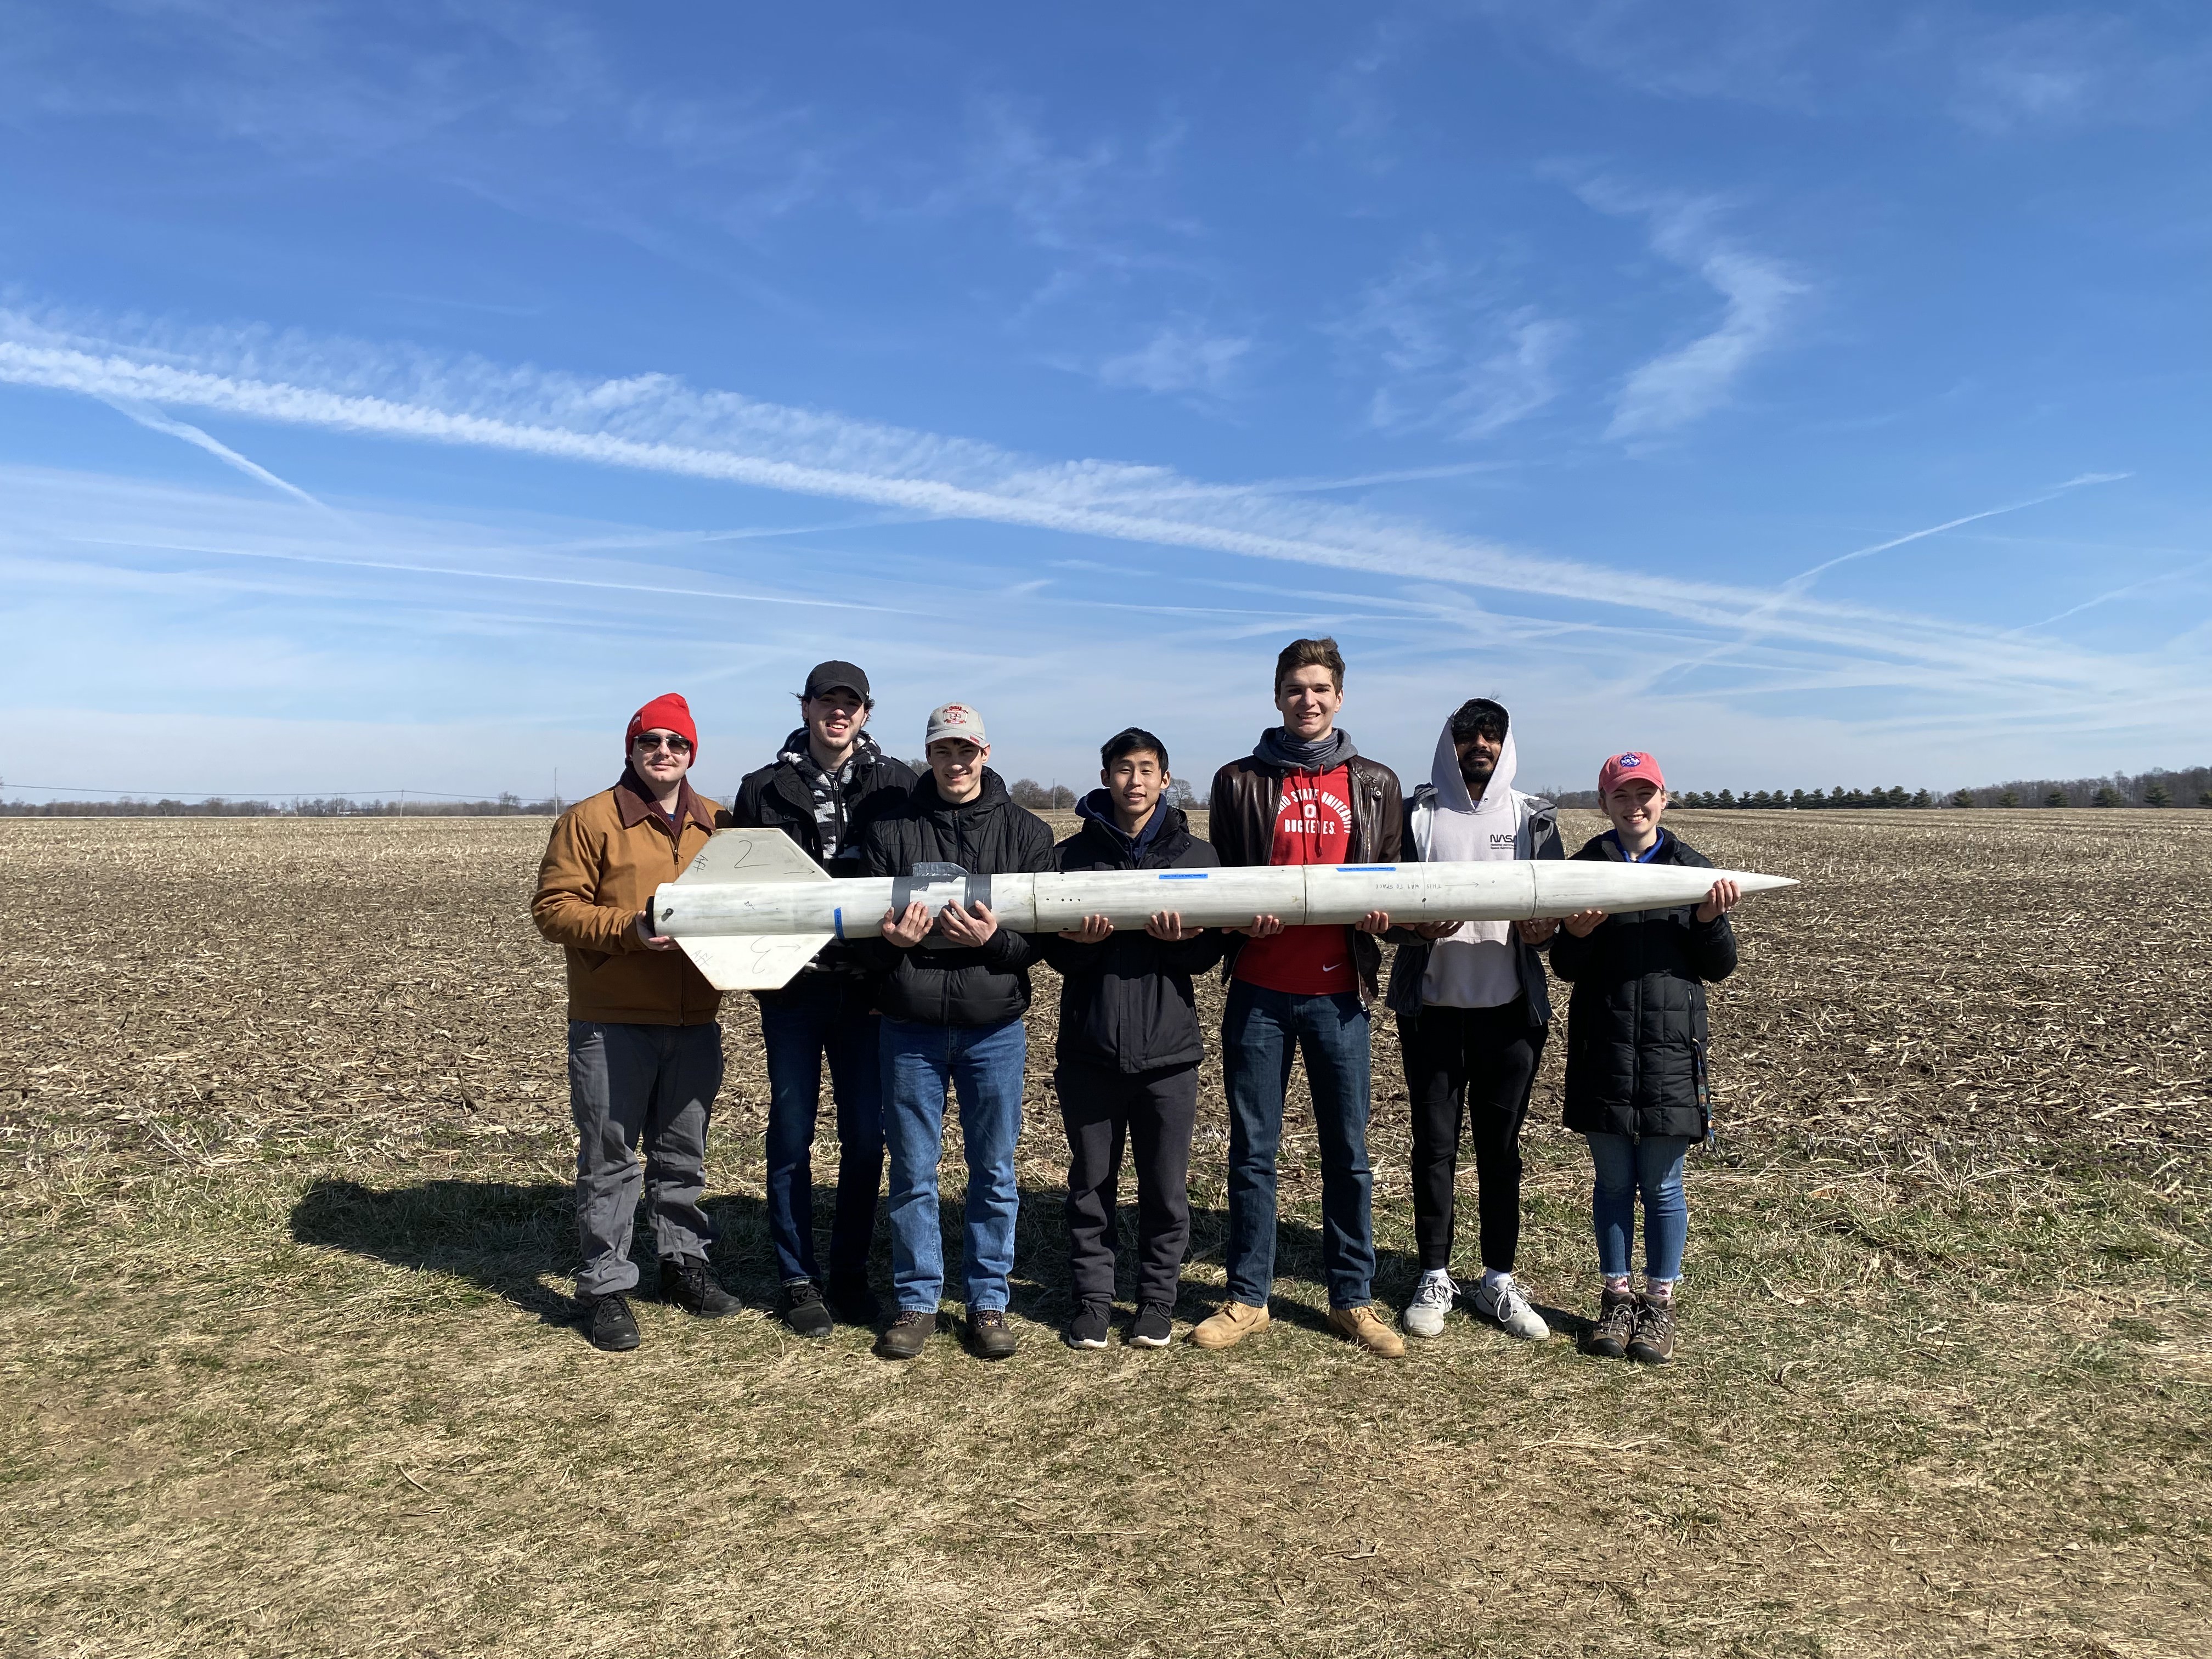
x=656, y=423
x=1760, y=295
x=1182, y=356
x=1452, y=358
x=154, y=420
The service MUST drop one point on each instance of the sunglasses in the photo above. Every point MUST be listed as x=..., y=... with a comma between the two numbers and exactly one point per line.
x=674, y=745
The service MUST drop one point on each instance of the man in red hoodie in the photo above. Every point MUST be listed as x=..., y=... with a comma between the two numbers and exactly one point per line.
x=644, y=1054
x=1304, y=795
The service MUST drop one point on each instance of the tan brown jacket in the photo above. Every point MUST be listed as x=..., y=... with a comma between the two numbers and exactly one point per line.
x=606, y=856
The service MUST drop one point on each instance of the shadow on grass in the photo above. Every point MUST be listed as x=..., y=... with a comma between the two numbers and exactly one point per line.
x=505, y=1237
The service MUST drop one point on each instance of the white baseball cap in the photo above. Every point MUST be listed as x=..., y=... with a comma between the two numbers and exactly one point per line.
x=956, y=720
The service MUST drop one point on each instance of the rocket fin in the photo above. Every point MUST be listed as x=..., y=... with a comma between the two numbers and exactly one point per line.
x=753, y=962
x=749, y=857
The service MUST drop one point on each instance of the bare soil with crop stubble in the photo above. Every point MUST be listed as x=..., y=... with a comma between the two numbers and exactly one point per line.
x=287, y=1367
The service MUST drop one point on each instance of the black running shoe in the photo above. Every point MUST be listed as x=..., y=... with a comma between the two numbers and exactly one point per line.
x=687, y=1282
x=1088, y=1328
x=1154, y=1325
x=612, y=1325
x=804, y=1311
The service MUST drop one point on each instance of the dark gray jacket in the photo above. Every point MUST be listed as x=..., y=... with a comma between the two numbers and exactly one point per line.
x=1535, y=836
x=1636, y=1025
x=1126, y=1002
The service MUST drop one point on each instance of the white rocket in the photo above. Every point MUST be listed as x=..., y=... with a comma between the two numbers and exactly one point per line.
x=752, y=909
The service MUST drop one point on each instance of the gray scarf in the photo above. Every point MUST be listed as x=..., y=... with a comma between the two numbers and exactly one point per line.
x=1279, y=748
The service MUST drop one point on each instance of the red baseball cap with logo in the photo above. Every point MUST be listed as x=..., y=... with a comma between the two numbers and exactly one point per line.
x=1629, y=763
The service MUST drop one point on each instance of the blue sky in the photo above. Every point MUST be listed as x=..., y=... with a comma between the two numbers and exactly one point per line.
x=398, y=395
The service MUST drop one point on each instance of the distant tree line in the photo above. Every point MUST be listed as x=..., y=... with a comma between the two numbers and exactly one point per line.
x=2191, y=786
x=299, y=806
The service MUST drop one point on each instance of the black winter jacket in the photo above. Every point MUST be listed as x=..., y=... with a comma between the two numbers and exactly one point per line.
x=934, y=984
x=1248, y=794
x=776, y=797
x=1127, y=1002
x=1636, y=1031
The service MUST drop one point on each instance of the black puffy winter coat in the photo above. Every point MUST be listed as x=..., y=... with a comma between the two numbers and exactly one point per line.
x=778, y=797
x=1126, y=1002
x=934, y=984
x=1635, y=1030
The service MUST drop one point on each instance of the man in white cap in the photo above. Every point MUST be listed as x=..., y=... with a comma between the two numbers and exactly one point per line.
x=952, y=994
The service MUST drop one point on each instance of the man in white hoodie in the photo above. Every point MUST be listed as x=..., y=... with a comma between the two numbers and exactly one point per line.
x=1473, y=1008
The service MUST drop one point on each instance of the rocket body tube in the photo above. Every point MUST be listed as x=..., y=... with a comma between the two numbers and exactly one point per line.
x=752, y=911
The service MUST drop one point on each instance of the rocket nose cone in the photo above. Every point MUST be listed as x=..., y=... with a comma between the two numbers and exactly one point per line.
x=1751, y=882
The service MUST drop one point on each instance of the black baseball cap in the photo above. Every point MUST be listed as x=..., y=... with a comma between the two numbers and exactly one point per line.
x=1477, y=714
x=832, y=676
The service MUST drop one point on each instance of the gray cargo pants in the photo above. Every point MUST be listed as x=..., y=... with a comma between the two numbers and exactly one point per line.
x=628, y=1085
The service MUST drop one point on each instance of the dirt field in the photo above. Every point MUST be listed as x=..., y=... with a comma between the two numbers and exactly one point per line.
x=287, y=1367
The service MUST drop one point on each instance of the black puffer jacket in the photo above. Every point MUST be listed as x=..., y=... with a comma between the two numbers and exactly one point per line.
x=1127, y=1002
x=778, y=797
x=1636, y=1031
x=932, y=984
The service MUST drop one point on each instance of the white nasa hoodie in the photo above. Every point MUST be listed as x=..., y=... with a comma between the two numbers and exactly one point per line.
x=1478, y=966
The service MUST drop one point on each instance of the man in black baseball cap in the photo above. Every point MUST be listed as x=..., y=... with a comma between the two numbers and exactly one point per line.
x=816, y=790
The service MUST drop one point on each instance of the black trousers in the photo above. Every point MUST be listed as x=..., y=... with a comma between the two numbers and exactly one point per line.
x=1151, y=1113
x=1477, y=1067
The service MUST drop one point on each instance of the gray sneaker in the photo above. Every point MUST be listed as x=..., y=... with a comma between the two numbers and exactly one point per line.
x=1503, y=1305
x=1432, y=1300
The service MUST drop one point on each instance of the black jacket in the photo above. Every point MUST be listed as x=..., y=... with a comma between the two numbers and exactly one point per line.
x=1127, y=1002
x=932, y=984
x=1636, y=1031
x=777, y=797
x=1247, y=794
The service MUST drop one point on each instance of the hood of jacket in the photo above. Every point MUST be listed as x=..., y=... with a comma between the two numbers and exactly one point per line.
x=1096, y=811
x=1452, y=795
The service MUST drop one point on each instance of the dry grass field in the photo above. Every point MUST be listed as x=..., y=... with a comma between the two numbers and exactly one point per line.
x=287, y=1368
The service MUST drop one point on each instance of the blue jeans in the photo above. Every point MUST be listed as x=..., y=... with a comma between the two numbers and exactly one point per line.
x=983, y=1064
x=819, y=1014
x=1262, y=1030
x=1654, y=1163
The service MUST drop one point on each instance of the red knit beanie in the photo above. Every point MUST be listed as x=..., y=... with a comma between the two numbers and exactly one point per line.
x=665, y=713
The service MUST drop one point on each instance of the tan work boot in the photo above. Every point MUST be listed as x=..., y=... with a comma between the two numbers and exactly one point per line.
x=1362, y=1326
x=1229, y=1324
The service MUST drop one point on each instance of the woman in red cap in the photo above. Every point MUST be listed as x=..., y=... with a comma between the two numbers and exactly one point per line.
x=1635, y=1057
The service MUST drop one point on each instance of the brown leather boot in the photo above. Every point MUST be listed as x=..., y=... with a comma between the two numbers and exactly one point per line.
x=1231, y=1324
x=1364, y=1326
x=1654, y=1341
x=1616, y=1325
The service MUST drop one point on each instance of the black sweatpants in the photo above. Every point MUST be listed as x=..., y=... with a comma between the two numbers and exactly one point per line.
x=1151, y=1113
x=1475, y=1066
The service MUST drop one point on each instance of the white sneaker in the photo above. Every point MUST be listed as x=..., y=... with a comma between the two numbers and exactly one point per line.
x=1503, y=1305
x=1425, y=1314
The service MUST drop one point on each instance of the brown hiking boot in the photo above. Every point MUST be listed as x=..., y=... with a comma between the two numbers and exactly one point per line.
x=1616, y=1324
x=1364, y=1326
x=1654, y=1341
x=1231, y=1324
x=902, y=1339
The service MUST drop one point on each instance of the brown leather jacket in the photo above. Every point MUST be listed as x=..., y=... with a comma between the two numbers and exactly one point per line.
x=606, y=855
x=1241, y=823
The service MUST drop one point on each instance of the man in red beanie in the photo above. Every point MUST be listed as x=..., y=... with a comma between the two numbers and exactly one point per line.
x=645, y=1053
